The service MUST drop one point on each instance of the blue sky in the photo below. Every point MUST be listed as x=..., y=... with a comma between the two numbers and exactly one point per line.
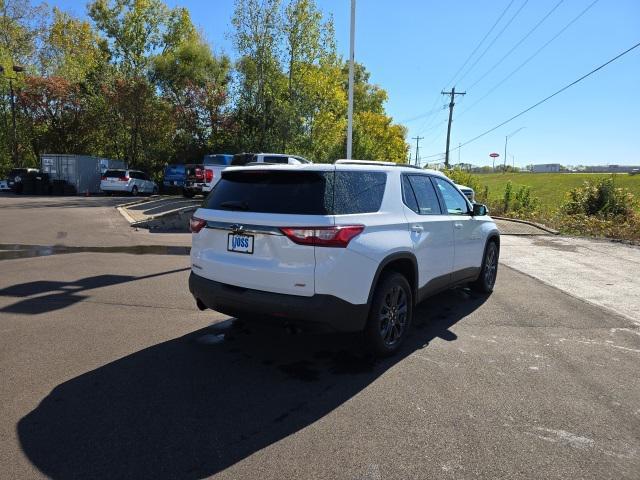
x=413, y=48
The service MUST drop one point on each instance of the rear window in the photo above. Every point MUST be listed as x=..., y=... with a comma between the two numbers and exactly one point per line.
x=242, y=159
x=299, y=193
x=218, y=159
x=115, y=173
x=275, y=159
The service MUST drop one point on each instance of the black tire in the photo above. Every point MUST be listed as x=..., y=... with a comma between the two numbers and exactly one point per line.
x=134, y=191
x=489, y=271
x=187, y=193
x=390, y=314
x=155, y=191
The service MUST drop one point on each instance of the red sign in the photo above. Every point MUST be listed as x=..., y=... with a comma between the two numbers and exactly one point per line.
x=494, y=155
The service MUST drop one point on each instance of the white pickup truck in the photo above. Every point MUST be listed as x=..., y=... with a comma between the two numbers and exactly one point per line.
x=202, y=178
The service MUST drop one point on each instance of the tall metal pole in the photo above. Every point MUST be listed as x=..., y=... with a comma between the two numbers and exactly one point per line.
x=14, y=135
x=506, y=139
x=504, y=168
x=351, y=60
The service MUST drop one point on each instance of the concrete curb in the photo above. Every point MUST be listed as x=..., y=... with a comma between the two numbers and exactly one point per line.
x=126, y=215
x=174, y=220
x=135, y=202
x=526, y=222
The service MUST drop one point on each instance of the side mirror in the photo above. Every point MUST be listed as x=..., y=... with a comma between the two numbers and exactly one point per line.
x=479, y=210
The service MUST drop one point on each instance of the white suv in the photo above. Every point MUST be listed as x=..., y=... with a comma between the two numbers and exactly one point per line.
x=127, y=181
x=350, y=246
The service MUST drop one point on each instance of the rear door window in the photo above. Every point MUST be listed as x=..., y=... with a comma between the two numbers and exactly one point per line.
x=408, y=195
x=425, y=194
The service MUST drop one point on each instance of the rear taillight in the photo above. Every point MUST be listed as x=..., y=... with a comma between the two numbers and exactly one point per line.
x=124, y=179
x=196, y=224
x=103, y=178
x=199, y=174
x=208, y=175
x=338, y=236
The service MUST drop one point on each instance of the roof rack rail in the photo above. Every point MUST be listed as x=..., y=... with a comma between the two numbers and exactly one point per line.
x=375, y=163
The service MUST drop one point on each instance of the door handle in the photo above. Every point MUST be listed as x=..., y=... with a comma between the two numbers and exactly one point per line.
x=417, y=228
x=457, y=225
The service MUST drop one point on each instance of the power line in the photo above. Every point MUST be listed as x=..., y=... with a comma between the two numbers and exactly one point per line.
x=481, y=42
x=432, y=110
x=493, y=41
x=529, y=33
x=575, y=19
x=552, y=95
x=543, y=100
x=425, y=114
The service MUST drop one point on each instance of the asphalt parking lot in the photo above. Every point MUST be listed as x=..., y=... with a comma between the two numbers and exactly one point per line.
x=109, y=371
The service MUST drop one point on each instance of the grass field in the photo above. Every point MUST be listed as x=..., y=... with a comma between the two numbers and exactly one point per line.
x=550, y=188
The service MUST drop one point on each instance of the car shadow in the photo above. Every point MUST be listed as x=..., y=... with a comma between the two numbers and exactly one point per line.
x=195, y=405
x=44, y=296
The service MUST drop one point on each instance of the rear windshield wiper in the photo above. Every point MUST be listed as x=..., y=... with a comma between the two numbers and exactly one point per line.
x=235, y=205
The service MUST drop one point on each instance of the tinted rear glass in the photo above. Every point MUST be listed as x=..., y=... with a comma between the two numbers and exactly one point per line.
x=299, y=193
x=242, y=158
x=115, y=173
x=218, y=159
x=275, y=159
x=270, y=192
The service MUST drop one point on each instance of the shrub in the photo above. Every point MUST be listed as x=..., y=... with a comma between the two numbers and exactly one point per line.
x=461, y=177
x=599, y=198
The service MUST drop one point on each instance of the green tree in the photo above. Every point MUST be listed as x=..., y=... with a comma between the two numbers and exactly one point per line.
x=195, y=82
x=261, y=85
x=72, y=48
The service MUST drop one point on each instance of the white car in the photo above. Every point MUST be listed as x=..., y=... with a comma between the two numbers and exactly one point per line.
x=127, y=181
x=468, y=192
x=345, y=247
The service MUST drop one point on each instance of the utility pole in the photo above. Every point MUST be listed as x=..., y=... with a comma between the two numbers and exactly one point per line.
x=506, y=140
x=351, y=60
x=459, y=148
x=417, y=139
x=453, y=94
x=14, y=136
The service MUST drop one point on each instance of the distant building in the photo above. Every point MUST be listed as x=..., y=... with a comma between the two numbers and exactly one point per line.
x=546, y=168
x=611, y=168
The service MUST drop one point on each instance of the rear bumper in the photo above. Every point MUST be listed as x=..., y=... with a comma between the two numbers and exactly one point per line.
x=321, y=312
x=115, y=188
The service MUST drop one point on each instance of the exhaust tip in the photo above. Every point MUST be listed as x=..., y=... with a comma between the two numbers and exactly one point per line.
x=201, y=306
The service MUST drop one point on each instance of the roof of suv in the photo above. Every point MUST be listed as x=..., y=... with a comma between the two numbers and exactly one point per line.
x=339, y=165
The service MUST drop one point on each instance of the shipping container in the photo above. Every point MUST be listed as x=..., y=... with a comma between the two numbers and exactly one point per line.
x=82, y=172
